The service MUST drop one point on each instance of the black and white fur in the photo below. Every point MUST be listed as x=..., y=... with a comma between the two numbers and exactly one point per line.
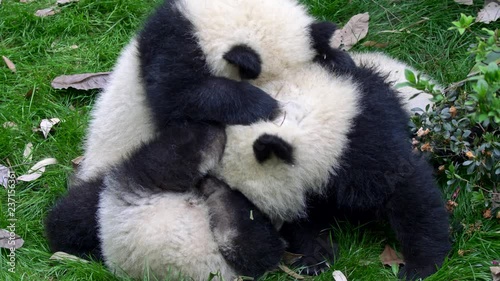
x=345, y=127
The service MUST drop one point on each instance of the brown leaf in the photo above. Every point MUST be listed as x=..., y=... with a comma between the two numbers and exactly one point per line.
x=37, y=170
x=375, y=44
x=495, y=273
x=47, y=124
x=453, y=111
x=490, y=12
x=421, y=132
x=339, y=276
x=4, y=176
x=9, y=64
x=9, y=240
x=290, y=258
x=84, y=81
x=76, y=162
x=450, y=205
x=65, y=256
x=464, y=2
x=389, y=257
x=469, y=154
x=46, y=12
x=355, y=30
x=426, y=147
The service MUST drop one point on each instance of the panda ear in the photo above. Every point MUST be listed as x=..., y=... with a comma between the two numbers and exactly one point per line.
x=246, y=59
x=321, y=33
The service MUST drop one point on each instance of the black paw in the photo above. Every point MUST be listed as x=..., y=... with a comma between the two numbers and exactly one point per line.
x=259, y=105
x=209, y=185
x=413, y=272
x=317, y=255
x=267, y=145
x=246, y=59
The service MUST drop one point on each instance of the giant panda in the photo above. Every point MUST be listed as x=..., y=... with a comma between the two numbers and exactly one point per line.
x=160, y=213
x=290, y=48
x=132, y=112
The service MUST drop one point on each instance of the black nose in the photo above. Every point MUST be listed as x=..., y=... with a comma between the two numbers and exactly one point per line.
x=246, y=59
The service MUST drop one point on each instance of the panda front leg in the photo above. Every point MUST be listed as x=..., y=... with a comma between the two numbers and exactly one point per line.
x=417, y=214
x=246, y=237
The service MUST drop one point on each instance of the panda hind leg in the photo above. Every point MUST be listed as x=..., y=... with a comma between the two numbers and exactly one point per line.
x=247, y=239
x=417, y=215
x=267, y=145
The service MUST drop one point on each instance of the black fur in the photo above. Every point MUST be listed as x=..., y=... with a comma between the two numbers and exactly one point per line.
x=321, y=33
x=379, y=174
x=267, y=145
x=71, y=225
x=255, y=246
x=179, y=85
x=246, y=59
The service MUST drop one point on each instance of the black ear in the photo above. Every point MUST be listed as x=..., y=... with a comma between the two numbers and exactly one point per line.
x=321, y=34
x=246, y=59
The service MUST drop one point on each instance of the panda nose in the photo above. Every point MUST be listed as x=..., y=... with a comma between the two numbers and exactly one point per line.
x=246, y=59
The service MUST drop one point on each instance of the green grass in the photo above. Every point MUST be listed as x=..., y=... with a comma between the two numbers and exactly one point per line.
x=40, y=49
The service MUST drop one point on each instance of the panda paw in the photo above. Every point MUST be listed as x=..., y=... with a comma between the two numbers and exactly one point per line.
x=267, y=145
x=258, y=105
x=208, y=186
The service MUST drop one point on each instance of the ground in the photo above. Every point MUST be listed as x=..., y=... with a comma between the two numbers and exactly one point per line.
x=86, y=36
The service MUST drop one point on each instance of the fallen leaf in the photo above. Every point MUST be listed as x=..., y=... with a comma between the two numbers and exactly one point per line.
x=47, y=124
x=495, y=273
x=426, y=147
x=469, y=154
x=464, y=2
x=450, y=205
x=339, y=276
x=65, y=256
x=27, y=153
x=64, y=2
x=389, y=257
x=4, y=176
x=290, y=258
x=46, y=12
x=421, y=132
x=76, y=162
x=9, y=64
x=37, y=170
x=375, y=44
x=84, y=81
x=290, y=272
x=490, y=12
x=10, y=240
x=355, y=30
x=9, y=124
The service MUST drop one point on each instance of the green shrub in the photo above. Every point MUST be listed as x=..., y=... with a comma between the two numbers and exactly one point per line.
x=461, y=130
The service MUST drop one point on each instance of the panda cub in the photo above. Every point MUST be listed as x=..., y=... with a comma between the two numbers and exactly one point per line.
x=160, y=211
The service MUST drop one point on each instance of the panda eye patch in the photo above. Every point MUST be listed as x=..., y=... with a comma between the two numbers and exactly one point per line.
x=246, y=59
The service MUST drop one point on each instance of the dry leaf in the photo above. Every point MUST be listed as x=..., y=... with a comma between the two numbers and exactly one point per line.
x=421, y=132
x=426, y=147
x=290, y=258
x=339, y=276
x=46, y=12
x=64, y=2
x=355, y=30
x=27, y=153
x=375, y=44
x=291, y=272
x=490, y=12
x=464, y=2
x=495, y=273
x=37, y=170
x=76, y=162
x=84, y=81
x=4, y=176
x=47, y=124
x=9, y=240
x=9, y=64
x=389, y=257
x=487, y=214
x=65, y=256
x=450, y=205
x=469, y=155
x=9, y=124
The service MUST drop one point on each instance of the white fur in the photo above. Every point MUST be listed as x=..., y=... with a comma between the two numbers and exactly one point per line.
x=318, y=110
x=165, y=233
x=395, y=70
x=120, y=121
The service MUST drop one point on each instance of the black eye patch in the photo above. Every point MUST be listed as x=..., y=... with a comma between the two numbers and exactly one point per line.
x=246, y=59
